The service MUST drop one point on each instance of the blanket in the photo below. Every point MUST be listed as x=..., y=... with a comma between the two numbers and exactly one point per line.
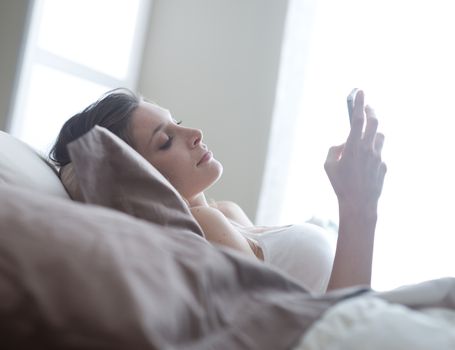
x=412, y=317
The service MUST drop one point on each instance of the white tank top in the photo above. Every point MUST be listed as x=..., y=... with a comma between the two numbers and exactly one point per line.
x=305, y=251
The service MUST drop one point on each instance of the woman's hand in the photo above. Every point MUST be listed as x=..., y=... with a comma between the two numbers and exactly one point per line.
x=355, y=168
x=356, y=172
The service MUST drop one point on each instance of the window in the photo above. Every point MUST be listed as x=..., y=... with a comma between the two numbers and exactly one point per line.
x=75, y=51
x=400, y=53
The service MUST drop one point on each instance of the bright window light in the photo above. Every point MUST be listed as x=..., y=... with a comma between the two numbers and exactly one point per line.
x=76, y=50
x=401, y=54
x=54, y=96
x=98, y=34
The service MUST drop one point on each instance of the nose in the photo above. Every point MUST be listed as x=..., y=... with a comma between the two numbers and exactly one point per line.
x=196, y=137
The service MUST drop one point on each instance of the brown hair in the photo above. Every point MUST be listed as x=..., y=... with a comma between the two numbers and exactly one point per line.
x=112, y=111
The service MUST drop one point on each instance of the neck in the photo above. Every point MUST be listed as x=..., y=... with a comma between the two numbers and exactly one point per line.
x=198, y=201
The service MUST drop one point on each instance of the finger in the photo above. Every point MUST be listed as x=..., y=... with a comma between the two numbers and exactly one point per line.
x=357, y=119
x=370, y=128
x=381, y=175
x=379, y=142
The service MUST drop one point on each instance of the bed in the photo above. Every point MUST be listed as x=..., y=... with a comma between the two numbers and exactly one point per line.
x=127, y=267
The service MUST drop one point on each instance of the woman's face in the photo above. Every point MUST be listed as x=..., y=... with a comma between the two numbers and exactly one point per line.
x=174, y=150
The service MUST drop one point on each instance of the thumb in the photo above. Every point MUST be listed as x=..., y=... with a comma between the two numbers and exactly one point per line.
x=335, y=153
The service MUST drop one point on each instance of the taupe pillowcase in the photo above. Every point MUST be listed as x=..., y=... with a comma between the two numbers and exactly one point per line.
x=111, y=173
x=78, y=276
x=68, y=178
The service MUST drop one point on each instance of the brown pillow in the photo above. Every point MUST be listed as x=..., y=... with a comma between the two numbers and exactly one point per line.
x=78, y=276
x=112, y=174
x=68, y=178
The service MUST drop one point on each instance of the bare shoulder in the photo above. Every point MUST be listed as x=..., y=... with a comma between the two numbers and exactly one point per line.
x=205, y=211
x=234, y=212
x=208, y=215
x=218, y=229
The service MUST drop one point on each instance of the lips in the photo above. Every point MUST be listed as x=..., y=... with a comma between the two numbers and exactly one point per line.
x=205, y=158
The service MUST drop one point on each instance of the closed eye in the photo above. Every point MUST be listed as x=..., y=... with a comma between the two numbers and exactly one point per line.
x=167, y=144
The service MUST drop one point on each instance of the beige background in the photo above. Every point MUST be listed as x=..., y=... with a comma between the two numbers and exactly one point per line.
x=213, y=63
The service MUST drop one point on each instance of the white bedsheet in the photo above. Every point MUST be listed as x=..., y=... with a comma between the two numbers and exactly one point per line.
x=374, y=324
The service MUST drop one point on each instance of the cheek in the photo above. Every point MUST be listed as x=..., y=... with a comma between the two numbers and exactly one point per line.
x=173, y=166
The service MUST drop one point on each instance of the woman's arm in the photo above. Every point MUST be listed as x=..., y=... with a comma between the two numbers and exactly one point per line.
x=218, y=229
x=354, y=253
x=356, y=172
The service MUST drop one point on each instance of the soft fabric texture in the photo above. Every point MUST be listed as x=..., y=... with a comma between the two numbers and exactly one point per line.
x=81, y=276
x=305, y=252
x=416, y=316
x=112, y=174
x=21, y=165
x=374, y=324
x=68, y=178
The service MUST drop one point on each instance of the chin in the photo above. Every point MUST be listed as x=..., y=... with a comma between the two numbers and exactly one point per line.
x=216, y=176
x=219, y=173
x=219, y=167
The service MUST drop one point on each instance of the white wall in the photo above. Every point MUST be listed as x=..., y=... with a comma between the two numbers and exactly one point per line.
x=214, y=64
x=13, y=16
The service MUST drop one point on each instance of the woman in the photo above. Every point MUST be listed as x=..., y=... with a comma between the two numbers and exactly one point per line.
x=354, y=168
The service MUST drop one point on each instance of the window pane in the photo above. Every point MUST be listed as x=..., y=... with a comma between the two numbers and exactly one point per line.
x=94, y=33
x=52, y=98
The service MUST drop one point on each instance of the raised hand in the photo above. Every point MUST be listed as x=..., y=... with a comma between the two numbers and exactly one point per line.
x=355, y=168
x=356, y=172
